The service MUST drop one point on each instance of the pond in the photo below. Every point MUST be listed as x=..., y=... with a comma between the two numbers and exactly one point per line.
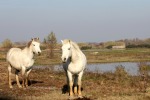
x=130, y=67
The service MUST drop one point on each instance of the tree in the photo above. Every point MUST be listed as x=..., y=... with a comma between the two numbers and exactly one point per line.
x=51, y=44
x=44, y=41
x=7, y=43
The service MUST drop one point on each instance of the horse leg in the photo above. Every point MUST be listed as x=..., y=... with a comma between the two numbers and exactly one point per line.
x=75, y=84
x=27, y=77
x=79, y=84
x=17, y=79
x=9, y=76
x=67, y=80
x=23, y=76
x=70, y=83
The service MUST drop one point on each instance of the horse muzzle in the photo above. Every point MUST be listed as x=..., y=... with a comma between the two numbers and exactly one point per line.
x=64, y=60
x=39, y=53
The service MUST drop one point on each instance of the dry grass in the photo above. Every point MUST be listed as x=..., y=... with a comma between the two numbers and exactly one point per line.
x=128, y=55
x=49, y=85
x=118, y=84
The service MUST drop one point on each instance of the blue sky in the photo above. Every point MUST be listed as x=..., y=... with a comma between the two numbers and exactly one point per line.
x=79, y=20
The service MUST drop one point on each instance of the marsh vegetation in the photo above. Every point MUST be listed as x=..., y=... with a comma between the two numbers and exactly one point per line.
x=47, y=84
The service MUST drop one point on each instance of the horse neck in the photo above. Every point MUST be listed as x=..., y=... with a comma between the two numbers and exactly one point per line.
x=75, y=55
x=28, y=51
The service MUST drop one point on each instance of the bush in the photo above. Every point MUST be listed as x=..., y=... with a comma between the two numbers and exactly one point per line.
x=7, y=44
x=144, y=68
x=86, y=47
x=120, y=72
x=138, y=46
x=109, y=47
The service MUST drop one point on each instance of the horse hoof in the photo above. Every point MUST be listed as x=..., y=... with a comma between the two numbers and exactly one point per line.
x=80, y=96
x=76, y=94
x=71, y=98
x=20, y=86
x=26, y=85
x=10, y=87
x=24, y=88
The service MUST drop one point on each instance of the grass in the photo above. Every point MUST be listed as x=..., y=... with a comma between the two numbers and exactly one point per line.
x=46, y=84
x=102, y=56
x=128, y=55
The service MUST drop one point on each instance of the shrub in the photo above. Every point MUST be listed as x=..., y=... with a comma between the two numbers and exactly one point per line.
x=144, y=68
x=86, y=47
x=138, y=46
x=109, y=47
x=7, y=44
x=121, y=73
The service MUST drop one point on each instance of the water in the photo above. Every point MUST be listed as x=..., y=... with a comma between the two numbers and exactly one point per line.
x=130, y=67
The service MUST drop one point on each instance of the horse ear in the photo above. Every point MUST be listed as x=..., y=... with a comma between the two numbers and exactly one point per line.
x=32, y=39
x=38, y=38
x=61, y=41
x=70, y=41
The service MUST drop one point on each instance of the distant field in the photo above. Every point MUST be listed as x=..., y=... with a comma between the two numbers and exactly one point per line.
x=95, y=56
x=127, y=55
x=102, y=56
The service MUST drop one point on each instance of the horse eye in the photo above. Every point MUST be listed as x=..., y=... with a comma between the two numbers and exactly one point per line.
x=33, y=44
x=68, y=48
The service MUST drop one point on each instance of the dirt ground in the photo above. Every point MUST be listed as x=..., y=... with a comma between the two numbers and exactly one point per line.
x=43, y=85
x=48, y=85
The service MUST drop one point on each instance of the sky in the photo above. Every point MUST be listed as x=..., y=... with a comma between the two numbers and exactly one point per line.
x=78, y=20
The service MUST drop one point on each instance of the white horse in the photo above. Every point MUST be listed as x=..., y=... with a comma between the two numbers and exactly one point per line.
x=74, y=62
x=22, y=60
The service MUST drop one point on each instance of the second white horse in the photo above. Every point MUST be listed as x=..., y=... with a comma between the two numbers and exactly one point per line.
x=22, y=60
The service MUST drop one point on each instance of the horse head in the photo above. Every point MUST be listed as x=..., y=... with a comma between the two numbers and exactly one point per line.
x=66, y=50
x=34, y=44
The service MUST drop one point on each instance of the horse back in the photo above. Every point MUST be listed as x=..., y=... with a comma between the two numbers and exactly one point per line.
x=17, y=58
x=13, y=52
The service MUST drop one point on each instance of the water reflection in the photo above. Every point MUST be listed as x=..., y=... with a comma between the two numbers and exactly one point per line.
x=130, y=67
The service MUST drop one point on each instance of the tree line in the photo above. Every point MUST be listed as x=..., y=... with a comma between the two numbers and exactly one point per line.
x=137, y=43
x=50, y=44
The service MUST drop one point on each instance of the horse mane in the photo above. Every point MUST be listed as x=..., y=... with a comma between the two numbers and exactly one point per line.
x=29, y=43
x=72, y=43
x=34, y=39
